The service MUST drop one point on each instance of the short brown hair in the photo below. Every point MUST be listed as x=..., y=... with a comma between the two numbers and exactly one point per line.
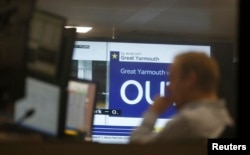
x=205, y=68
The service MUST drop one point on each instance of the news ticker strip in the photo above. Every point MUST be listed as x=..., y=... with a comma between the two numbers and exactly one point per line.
x=110, y=112
x=228, y=146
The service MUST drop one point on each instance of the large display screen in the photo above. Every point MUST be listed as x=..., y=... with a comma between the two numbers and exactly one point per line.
x=130, y=76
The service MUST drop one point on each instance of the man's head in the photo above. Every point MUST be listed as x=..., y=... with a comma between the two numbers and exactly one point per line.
x=193, y=76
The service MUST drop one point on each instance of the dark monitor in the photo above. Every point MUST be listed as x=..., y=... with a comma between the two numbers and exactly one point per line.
x=46, y=33
x=80, y=107
x=46, y=97
x=14, y=25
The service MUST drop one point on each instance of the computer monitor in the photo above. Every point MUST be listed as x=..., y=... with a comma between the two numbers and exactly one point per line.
x=46, y=93
x=43, y=99
x=14, y=23
x=46, y=33
x=131, y=74
x=80, y=107
x=47, y=98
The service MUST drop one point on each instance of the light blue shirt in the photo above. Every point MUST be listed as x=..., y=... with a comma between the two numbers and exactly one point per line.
x=198, y=120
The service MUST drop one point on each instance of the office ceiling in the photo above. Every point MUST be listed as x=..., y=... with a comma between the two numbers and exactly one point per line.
x=163, y=19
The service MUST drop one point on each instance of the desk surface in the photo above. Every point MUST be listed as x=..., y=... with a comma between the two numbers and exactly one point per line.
x=88, y=148
x=34, y=144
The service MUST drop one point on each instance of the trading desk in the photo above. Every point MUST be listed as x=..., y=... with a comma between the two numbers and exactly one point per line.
x=25, y=143
x=82, y=148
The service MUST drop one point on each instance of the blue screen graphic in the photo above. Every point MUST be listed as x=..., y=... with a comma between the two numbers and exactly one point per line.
x=135, y=73
x=135, y=84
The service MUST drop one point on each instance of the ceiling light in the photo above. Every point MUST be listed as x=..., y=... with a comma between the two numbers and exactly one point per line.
x=80, y=29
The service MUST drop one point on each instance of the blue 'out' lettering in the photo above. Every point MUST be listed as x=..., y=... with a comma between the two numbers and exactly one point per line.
x=163, y=85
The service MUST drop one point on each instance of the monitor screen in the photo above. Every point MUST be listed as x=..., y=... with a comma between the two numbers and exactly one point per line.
x=43, y=99
x=47, y=98
x=80, y=107
x=45, y=44
x=131, y=74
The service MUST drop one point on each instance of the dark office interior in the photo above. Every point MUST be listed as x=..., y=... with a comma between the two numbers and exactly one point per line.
x=202, y=22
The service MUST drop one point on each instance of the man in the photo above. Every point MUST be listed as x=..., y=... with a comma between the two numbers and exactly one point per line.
x=194, y=79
